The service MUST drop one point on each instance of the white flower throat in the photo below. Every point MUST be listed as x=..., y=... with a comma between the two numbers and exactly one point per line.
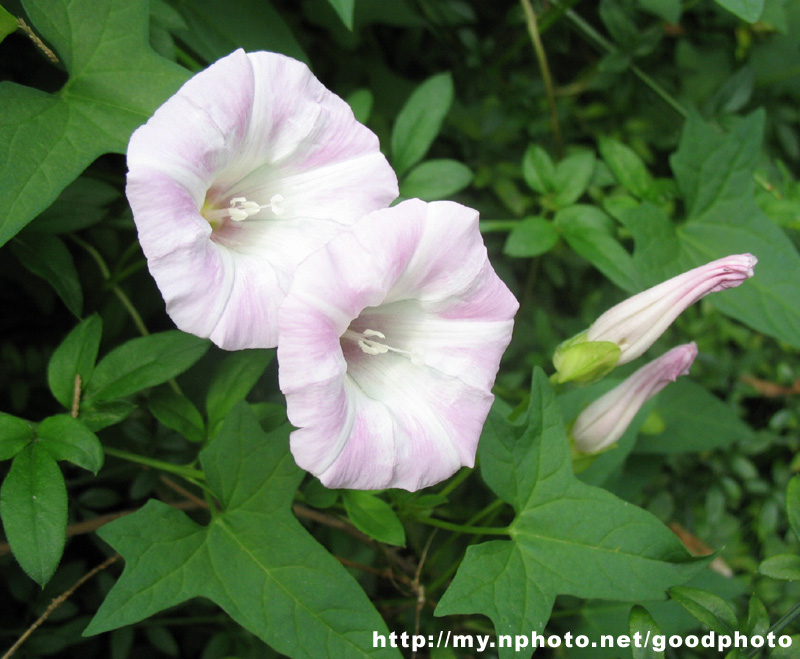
x=372, y=347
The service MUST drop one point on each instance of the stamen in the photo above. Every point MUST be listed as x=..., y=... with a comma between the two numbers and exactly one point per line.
x=372, y=347
x=241, y=208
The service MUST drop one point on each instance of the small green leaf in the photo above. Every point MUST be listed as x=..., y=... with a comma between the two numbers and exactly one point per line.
x=105, y=413
x=75, y=355
x=640, y=621
x=33, y=506
x=668, y=10
x=177, y=413
x=345, y=9
x=8, y=23
x=143, y=362
x=47, y=257
x=360, y=102
x=627, y=167
x=374, y=517
x=435, y=179
x=15, y=435
x=531, y=237
x=420, y=121
x=785, y=567
x=66, y=438
x=757, y=617
x=233, y=380
x=793, y=504
x=538, y=169
x=710, y=609
x=572, y=177
x=747, y=10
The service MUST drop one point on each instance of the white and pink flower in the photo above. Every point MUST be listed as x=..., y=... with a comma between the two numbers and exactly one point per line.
x=391, y=338
x=252, y=165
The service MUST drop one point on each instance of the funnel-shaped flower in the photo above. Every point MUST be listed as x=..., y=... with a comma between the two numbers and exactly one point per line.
x=235, y=179
x=391, y=337
x=636, y=323
x=605, y=420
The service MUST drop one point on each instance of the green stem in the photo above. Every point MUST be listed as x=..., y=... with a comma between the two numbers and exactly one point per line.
x=179, y=470
x=462, y=528
x=541, y=57
x=460, y=477
x=609, y=47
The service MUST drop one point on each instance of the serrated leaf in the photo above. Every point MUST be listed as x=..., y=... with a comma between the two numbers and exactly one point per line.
x=33, y=506
x=115, y=83
x=785, y=567
x=15, y=435
x=627, y=167
x=571, y=178
x=66, y=438
x=374, y=517
x=710, y=609
x=345, y=9
x=567, y=538
x=47, y=257
x=231, y=383
x=75, y=355
x=747, y=10
x=435, y=179
x=793, y=504
x=640, y=621
x=177, y=413
x=696, y=420
x=538, y=169
x=253, y=559
x=531, y=237
x=143, y=362
x=420, y=121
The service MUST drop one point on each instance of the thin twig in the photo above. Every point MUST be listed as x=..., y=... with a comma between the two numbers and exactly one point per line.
x=76, y=397
x=49, y=54
x=58, y=601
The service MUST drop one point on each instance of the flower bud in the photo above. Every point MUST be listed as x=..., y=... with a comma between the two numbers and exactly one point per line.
x=605, y=420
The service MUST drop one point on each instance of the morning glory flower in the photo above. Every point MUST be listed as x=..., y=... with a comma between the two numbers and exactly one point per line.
x=391, y=338
x=251, y=165
x=605, y=420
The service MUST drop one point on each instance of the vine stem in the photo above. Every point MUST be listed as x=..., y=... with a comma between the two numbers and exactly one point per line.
x=541, y=57
x=462, y=528
x=184, y=472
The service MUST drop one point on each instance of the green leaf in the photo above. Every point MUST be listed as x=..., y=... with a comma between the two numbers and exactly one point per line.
x=571, y=177
x=793, y=504
x=47, y=257
x=254, y=559
x=360, y=102
x=115, y=83
x=374, y=517
x=783, y=566
x=747, y=10
x=589, y=231
x=757, y=617
x=710, y=609
x=233, y=380
x=695, y=420
x=15, y=435
x=75, y=356
x=66, y=438
x=538, y=169
x=420, y=121
x=143, y=362
x=105, y=413
x=177, y=413
x=531, y=237
x=627, y=167
x=345, y=9
x=435, y=179
x=218, y=28
x=567, y=538
x=82, y=204
x=8, y=24
x=640, y=621
x=33, y=506
x=668, y=10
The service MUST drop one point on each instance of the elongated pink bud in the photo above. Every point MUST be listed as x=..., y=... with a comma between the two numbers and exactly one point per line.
x=605, y=420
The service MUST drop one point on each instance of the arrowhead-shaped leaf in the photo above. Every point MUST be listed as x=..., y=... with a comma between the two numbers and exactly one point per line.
x=254, y=559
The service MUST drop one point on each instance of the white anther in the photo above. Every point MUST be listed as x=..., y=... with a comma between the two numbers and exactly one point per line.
x=241, y=209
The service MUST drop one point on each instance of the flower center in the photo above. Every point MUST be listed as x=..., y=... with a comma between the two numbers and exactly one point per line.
x=372, y=347
x=240, y=209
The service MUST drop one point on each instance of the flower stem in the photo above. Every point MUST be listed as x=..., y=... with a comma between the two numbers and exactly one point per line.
x=184, y=472
x=462, y=528
x=459, y=478
x=541, y=56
